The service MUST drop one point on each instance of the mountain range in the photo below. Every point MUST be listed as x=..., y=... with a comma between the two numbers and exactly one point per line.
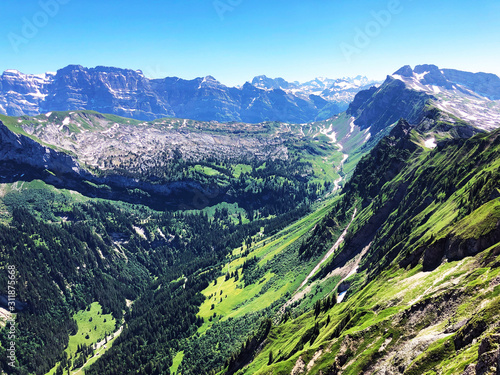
x=367, y=242
x=129, y=93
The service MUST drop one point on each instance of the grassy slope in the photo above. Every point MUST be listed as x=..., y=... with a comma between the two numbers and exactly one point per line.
x=238, y=299
x=176, y=362
x=374, y=324
x=93, y=327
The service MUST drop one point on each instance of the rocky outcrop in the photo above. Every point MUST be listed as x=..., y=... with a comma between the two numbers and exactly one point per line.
x=411, y=93
x=122, y=92
x=16, y=148
x=22, y=158
x=488, y=358
x=131, y=162
x=455, y=248
x=22, y=94
x=485, y=84
x=378, y=108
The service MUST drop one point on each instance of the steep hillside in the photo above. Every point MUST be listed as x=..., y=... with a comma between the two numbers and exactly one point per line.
x=419, y=264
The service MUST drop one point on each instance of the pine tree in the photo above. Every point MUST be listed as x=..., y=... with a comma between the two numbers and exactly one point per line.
x=270, y=358
x=317, y=308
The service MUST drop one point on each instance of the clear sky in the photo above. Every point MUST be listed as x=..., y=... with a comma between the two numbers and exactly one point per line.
x=235, y=40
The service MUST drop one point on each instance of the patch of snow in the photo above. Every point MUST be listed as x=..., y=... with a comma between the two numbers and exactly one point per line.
x=251, y=103
x=436, y=89
x=161, y=234
x=139, y=231
x=66, y=121
x=341, y=296
x=40, y=76
x=399, y=77
x=38, y=95
x=330, y=133
x=48, y=114
x=336, y=184
x=351, y=124
x=421, y=75
x=430, y=143
x=202, y=82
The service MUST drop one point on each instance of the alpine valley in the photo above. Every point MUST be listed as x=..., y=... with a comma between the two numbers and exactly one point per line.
x=165, y=226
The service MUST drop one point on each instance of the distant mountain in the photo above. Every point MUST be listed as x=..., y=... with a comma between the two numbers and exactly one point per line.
x=129, y=93
x=412, y=93
x=340, y=91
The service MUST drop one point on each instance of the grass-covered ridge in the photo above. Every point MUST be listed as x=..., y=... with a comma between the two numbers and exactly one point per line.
x=427, y=291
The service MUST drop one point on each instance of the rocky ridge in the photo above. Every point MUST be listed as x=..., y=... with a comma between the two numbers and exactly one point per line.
x=129, y=93
x=414, y=93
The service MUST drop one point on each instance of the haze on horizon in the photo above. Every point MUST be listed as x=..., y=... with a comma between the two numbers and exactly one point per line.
x=235, y=40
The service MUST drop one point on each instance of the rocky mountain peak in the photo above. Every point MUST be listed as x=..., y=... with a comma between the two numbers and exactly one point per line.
x=209, y=81
x=485, y=84
x=465, y=95
x=266, y=83
x=129, y=93
x=405, y=71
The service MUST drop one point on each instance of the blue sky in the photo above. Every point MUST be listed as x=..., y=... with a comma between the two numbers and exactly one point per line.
x=235, y=40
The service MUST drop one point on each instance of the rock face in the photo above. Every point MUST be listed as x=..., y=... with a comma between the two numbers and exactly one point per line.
x=409, y=93
x=21, y=93
x=115, y=144
x=129, y=93
x=386, y=105
x=106, y=90
x=487, y=85
x=109, y=157
x=488, y=358
x=23, y=150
